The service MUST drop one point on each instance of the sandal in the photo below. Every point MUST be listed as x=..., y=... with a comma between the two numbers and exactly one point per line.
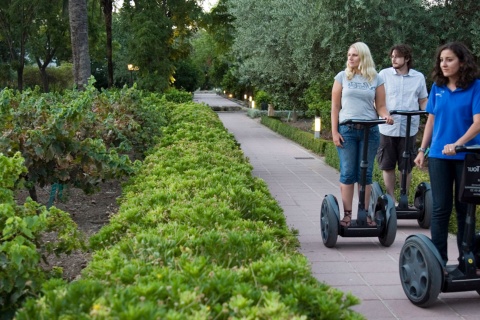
x=370, y=222
x=347, y=218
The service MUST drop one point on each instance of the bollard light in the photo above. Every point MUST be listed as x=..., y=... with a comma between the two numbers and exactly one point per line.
x=245, y=97
x=318, y=127
x=253, y=104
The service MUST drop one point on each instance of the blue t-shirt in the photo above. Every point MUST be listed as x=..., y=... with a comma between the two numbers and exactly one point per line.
x=453, y=111
x=358, y=97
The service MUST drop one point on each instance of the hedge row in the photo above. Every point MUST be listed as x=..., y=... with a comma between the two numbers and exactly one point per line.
x=196, y=237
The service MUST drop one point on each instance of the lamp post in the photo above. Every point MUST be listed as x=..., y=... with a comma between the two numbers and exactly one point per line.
x=132, y=68
x=318, y=126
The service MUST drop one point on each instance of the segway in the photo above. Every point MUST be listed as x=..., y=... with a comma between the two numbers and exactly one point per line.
x=422, y=273
x=422, y=204
x=383, y=212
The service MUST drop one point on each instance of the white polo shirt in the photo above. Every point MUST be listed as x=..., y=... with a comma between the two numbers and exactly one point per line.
x=402, y=93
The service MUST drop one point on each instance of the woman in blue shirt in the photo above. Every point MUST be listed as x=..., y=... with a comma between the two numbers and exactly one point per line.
x=454, y=119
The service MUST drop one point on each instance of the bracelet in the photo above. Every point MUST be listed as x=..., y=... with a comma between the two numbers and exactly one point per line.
x=422, y=150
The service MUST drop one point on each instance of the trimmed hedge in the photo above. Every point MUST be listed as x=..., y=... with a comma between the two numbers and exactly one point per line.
x=196, y=237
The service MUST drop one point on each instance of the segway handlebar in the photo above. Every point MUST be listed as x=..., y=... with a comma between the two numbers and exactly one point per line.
x=367, y=123
x=408, y=112
x=473, y=149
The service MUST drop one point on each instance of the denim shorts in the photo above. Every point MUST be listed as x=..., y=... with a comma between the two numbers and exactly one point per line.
x=351, y=154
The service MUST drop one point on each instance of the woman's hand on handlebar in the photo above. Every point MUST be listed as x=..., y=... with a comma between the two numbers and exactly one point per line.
x=388, y=119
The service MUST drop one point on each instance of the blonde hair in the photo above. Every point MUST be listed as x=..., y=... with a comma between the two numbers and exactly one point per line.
x=366, y=66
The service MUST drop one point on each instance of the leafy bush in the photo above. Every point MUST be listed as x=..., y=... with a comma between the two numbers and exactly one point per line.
x=80, y=138
x=196, y=236
x=21, y=247
x=59, y=78
x=178, y=96
x=262, y=96
x=303, y=138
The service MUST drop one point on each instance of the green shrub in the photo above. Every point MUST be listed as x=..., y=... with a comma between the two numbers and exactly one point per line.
x=22, y=246
x=262, y=96
x=196, y=237
x=59, y=78
x=178, y=96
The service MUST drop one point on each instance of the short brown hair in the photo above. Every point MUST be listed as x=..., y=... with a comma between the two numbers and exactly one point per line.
x=405, y=51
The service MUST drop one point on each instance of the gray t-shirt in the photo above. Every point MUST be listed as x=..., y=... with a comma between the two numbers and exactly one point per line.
x=358, y=97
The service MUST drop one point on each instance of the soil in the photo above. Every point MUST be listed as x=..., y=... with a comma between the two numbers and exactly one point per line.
x=90, y=213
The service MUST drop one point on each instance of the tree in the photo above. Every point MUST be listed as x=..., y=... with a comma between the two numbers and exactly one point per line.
x=79, y=38
x=49, y=37
x=16, y=18
x=213, y=48
x=157, y=36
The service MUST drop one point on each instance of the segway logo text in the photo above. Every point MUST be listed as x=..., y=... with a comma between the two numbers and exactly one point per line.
x=473, y=169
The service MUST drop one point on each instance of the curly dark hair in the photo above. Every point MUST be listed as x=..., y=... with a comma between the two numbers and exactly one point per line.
x=405, y=51
x=468, y=71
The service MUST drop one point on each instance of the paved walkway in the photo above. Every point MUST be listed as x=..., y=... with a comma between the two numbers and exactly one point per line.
x=299, y=180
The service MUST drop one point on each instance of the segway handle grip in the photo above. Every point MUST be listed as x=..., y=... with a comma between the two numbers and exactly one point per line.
x=408, y=112
x=473, y=149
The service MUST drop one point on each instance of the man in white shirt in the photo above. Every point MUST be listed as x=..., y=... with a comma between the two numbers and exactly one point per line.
x=405, y=90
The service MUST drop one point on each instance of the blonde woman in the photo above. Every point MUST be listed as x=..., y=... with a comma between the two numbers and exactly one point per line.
x=358, y=93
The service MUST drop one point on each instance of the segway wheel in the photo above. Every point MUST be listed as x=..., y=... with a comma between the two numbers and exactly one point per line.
x=426, y=218
x=374, y=194
x=420, y=272
x=329, y=221
x=387, y=205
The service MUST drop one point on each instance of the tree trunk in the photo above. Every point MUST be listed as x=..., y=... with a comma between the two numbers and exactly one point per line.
x=107, y=6
x=42, y=67
x=77, y=10
x=20, y=77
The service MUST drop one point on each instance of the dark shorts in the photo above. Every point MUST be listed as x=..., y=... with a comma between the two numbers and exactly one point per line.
x=390, y=153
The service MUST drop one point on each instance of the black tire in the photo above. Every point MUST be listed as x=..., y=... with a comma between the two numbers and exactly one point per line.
x=329, y=221
x=376, y=192
x=425, y=220
x=420, y=272
x=387, y=237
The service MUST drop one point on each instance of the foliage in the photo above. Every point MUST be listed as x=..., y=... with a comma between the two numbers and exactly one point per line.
x=76, y=138
x=157, y=36
x=283, y=46
x=187, y=75
x=303, y=138
x=129, y=120
x=59, y=78
x=50, y=38
x=212, y=49
x=196, y=236
x=178, y=96
x=54, y=138
x=262, y=96
x=22, y=231
x=16, y=18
